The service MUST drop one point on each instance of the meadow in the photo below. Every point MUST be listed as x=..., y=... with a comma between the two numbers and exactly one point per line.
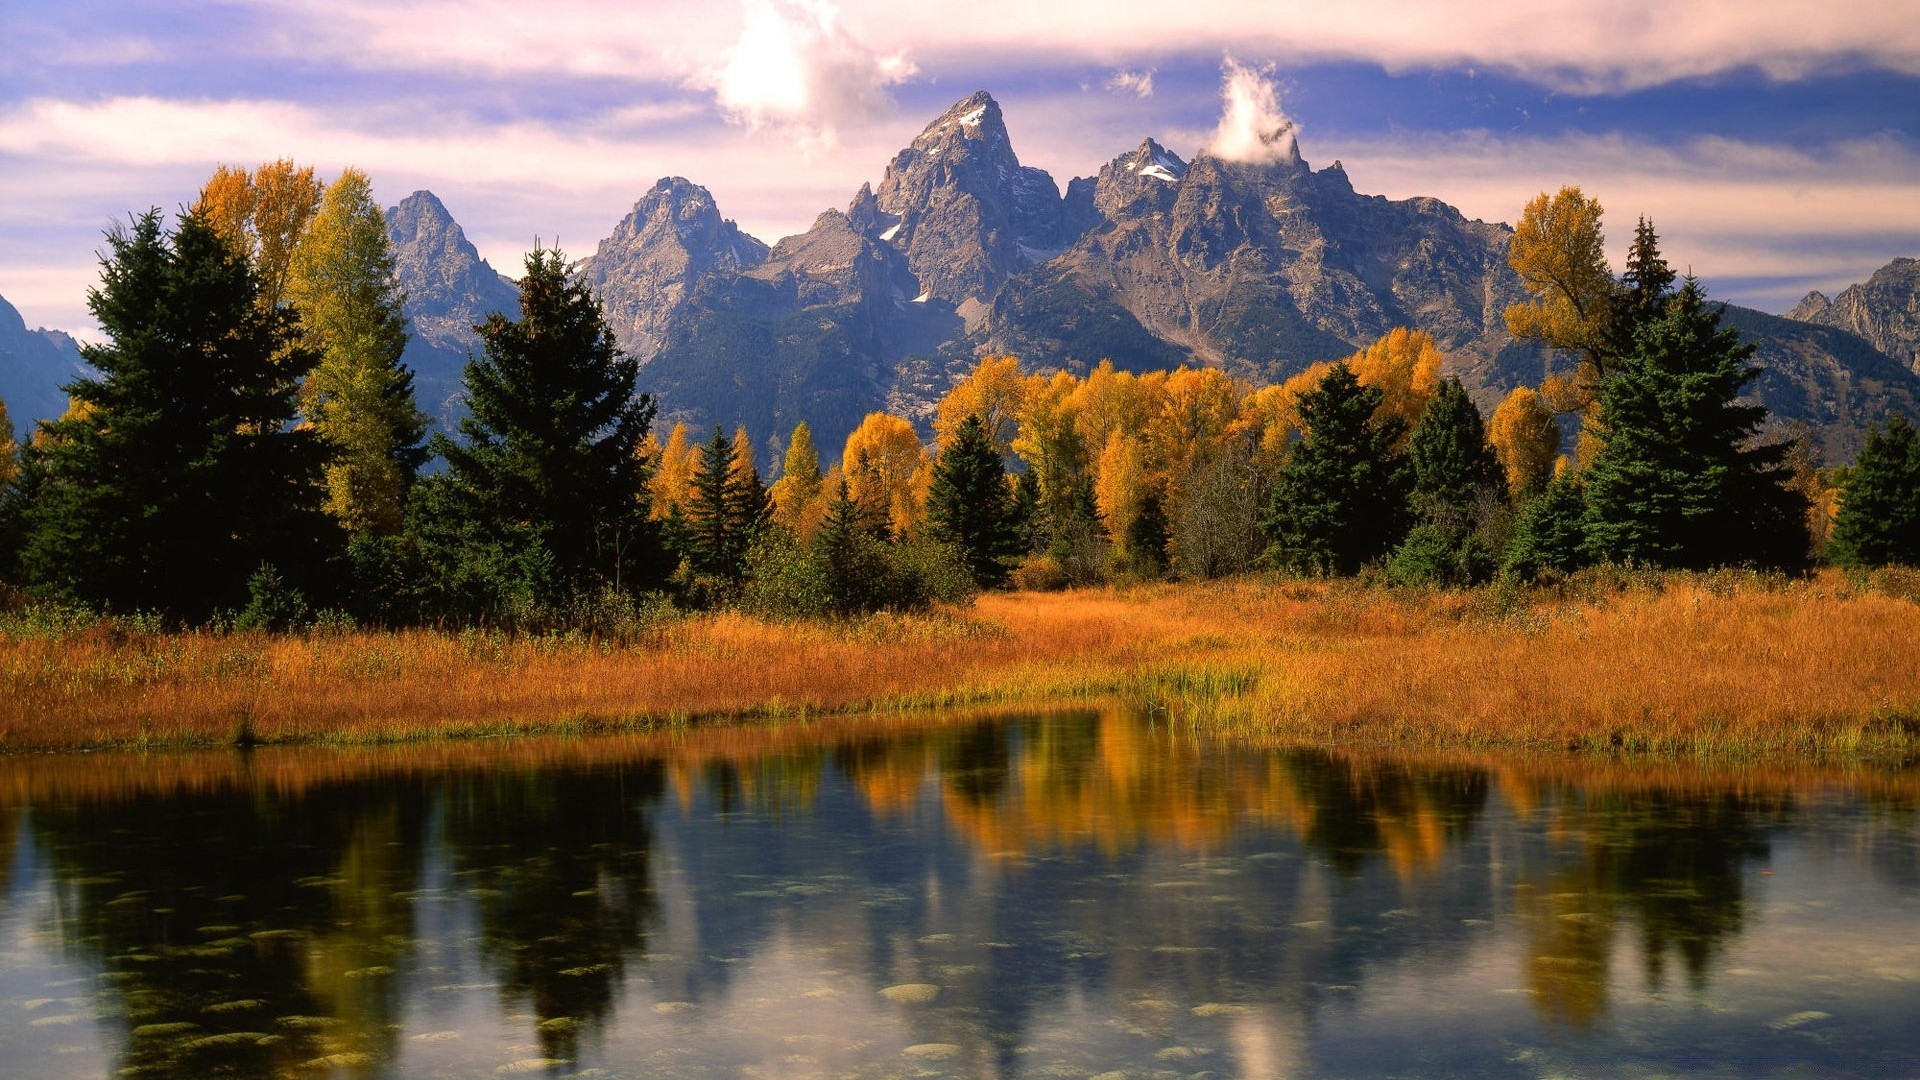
x=1608, y=662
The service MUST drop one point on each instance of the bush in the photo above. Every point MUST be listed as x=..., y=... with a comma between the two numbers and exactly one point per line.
x=1038, y=573
x=272, y=604
x=1436, y=555
x=785, y=578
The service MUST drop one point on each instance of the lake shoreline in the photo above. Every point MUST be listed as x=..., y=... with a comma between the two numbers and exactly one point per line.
x=1617, y=664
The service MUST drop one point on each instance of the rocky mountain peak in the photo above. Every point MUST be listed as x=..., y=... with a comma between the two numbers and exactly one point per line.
x=1885, y=310
x=449, y=288
x=1139, y=181
x=672, y=238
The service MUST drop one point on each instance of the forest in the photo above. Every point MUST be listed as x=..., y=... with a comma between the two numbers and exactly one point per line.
x=247, y=456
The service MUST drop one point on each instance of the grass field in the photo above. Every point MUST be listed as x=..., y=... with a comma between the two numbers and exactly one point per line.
x=1724, y=663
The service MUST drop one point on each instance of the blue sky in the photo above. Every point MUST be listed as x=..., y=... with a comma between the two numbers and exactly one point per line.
x=1774, y=144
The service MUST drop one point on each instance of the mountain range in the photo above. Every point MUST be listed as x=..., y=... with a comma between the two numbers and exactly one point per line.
x=1255, y=267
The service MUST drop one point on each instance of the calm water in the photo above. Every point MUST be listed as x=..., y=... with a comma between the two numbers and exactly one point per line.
x=1072, y=895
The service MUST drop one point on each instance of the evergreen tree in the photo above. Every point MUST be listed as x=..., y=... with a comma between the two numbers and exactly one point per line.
x=969, y=505
x=545, y=495
x=1340, y=499
x=1550, y=533
x=360, y=396
x=1879, y=518
x=1029, y=521
x=1643, y=291
x=726, y=512
x=850, y=546
x=178, y=472
x=1452, y=464
x=1677, y=483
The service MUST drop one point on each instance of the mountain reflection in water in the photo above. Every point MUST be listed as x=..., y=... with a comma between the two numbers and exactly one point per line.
x=1066, y=894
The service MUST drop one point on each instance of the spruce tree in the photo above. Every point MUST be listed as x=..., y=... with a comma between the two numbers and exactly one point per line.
x=178, y=471
x=544, y=495
x=1340, y=499
x=1452, y=464
x=969, y=504
x=1549, y=534
x=1879, y=519
x=727, y=510
x=1679, y=483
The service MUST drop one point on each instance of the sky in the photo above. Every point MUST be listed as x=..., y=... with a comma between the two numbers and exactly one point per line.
x=1775, y=145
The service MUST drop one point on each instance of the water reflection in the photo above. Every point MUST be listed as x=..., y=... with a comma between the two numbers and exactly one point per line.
x=1064, y=894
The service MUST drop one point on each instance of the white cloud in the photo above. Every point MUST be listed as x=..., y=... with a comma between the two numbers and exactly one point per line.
x=1137, y=83
x=796, y=68
x=1252, y=127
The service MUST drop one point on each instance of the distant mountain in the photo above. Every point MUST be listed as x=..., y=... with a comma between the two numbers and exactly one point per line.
x=34, y=364
x=1885, y=311
x=449, y=288
x=1256, y=268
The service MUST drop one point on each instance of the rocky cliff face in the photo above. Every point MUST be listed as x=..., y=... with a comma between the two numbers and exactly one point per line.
x=647, y=271
x=1885, y=310
x=34, y=365
x=449, y=288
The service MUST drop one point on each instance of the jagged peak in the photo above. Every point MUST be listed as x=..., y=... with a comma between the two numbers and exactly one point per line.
x=1155, y=161
x=974, y=118
x=423, y=205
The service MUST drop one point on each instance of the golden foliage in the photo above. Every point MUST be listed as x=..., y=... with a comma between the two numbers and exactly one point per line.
x=993, y=391
x=1405, y=367
x=262, y=215
x=797, y=493
x=9, y=451
x=1525, y=438
x=1121, y=483
x=883, y=462
x=1559, y=252
x=672, y=484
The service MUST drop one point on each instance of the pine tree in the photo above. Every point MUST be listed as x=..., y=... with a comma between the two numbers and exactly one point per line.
x=1550, y=533
x=544, y=495
x=360, y=396
x=1678, y=483
x=1452, y=463
x=727, y=509
x=1341, y=497
x=969, y=505
x=1879, y=519
x=178, y=471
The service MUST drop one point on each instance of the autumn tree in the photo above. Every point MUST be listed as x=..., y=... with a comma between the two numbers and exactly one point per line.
x=797, y=494
x=1559, y=252
x=544, y=495
x=1404, y=366
x=1879, y=518
x=9, y=451
x=1526, y=439
x=1340, y=499
x=672, y=482
x=178, y=470
x=262, y=216
x=884, y=465
x=1680, y=481
x=970, y=506
x=360, y=396
x=994, y=392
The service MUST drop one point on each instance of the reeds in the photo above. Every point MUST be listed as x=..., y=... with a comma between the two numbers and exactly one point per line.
x=1621, y=663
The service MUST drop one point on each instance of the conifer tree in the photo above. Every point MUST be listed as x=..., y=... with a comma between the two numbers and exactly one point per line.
x=1457, y=483
x=360, y=396
x=1550, y=532
x=969, y=504
x=544, y=494
x=725, y=512
x=178, y=471
x=1340, y=499
x=1678, y=482
x=1879, y=518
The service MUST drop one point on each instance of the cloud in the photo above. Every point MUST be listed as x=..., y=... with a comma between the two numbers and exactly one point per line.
x=1138, y=83
x=1252, y=127
x=795, y=67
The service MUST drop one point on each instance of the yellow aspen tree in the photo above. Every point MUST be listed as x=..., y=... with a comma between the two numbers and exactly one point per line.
x=672, y=482
x=797, y=491
x=1405, y=367
x=1120, y=485
x=1526, y=439
x=9, y=451
x=1195, y=415
x=993, y=391
x=359, y=396
x=881, y=459
x=1108, y=400
x=226, y=201
x=262, y=216
x=1559, y=252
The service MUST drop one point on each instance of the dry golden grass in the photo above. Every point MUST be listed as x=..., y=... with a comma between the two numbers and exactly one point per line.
x=1650, y=664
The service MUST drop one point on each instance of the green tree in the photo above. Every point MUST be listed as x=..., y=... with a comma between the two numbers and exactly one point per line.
x=969, y=504
x=1879, y=518
x=1340, y=498
x=360, y=396
x=179, y=471
x=1459, y=490
x=726, y=513
x=1550, y=533
x=544, y=496
x=1680, y=482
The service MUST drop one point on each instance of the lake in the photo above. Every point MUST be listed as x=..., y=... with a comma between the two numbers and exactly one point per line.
x=1073, y=894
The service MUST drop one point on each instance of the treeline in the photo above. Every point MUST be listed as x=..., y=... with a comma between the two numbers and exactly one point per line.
x=250, y=451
